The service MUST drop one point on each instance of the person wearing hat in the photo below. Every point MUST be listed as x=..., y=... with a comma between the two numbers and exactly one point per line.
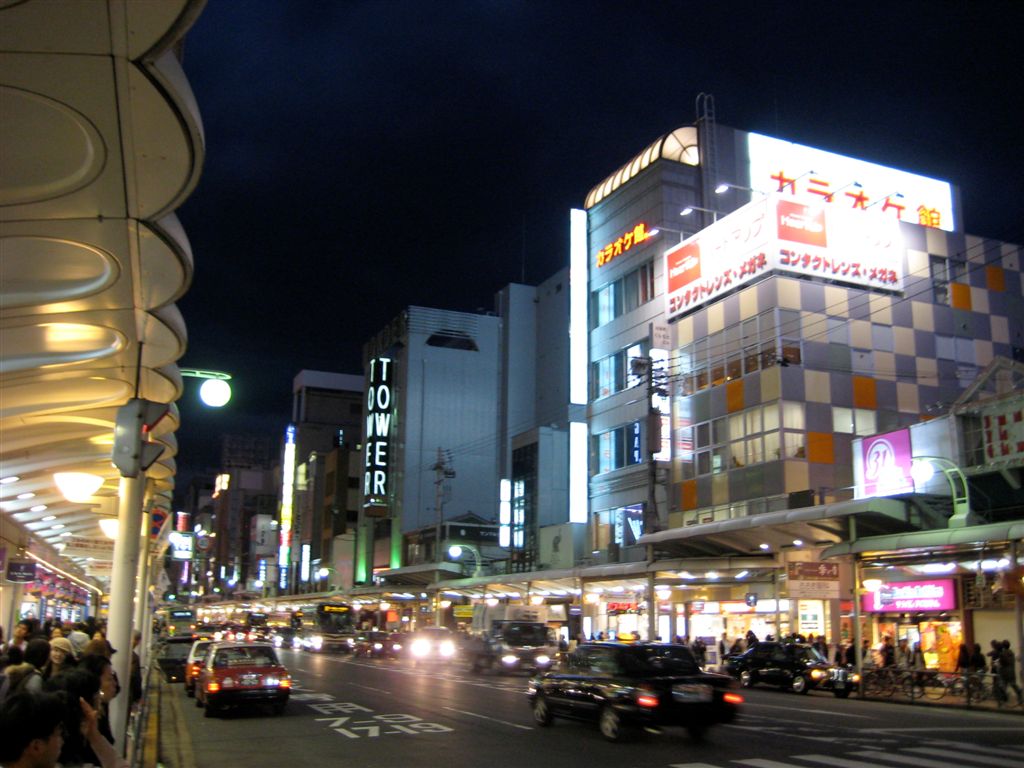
x=62, y=657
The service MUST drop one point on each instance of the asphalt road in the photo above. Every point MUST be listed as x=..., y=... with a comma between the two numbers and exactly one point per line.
x=356, y=713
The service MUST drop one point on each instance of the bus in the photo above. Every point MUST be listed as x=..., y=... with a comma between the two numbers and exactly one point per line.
x=325, y=627
x=177, y=622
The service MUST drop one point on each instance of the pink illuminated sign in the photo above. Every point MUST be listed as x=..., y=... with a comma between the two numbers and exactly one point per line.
x=886, y=464
x=912, y=596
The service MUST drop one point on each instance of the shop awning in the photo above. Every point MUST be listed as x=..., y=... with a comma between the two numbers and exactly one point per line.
x=822, y=525
x=932, y=541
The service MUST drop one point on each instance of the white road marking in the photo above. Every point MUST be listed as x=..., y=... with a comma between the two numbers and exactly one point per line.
x=753, y=704
x=692, y=765
x=978, y=748
x=492, y=719
x=369, y=688
x=840, y=762
x=759, y=762
x=995, y=762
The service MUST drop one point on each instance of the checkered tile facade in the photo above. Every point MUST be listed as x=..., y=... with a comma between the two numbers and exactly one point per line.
x=906, y=356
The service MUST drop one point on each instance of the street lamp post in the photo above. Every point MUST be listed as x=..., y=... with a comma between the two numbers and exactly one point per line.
x=691, y=208
x=455, y=551
x=922, y=470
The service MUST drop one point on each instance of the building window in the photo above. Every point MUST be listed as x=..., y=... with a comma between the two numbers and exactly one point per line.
x=737, y=351
x=620, y=447
x=943, y=272
x=624, y=295
x=613, y=374
x=738, y=440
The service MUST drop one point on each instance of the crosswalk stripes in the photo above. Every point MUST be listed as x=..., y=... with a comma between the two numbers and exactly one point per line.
x=933, y=754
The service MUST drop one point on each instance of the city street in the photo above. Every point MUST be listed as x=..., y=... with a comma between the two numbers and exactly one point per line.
x=385, y=714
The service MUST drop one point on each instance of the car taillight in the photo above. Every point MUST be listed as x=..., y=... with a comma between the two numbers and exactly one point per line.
x=212, y=687
x=732, y=698
x=285, y=682
x=645, y=697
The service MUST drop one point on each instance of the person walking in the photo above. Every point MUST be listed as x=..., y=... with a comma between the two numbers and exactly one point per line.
x=1007, y=674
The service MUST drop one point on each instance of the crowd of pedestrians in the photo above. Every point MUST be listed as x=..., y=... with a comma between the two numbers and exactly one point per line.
x=56, y=685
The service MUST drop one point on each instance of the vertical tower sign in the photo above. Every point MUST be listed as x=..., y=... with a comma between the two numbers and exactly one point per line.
x=378, y=432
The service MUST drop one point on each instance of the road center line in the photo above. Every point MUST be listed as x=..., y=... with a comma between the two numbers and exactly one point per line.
x=370, y=688
x=844, y=715
x=492, y=719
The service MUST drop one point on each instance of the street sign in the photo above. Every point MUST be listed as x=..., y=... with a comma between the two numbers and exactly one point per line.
x=98, y=548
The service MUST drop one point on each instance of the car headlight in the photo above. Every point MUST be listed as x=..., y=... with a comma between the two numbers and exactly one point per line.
x=420, y=647
x=542, y=658
x=317, y=642
x=817, y=674
x=446, y=649
x=397, y=646
x=855, y=677
x=378, y=646
x=509, y=659
x=278, y=641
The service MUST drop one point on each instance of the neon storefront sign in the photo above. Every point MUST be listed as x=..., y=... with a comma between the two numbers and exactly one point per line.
x=776, y=233
x=623, y=243
x=937, y=595
x=846, y=182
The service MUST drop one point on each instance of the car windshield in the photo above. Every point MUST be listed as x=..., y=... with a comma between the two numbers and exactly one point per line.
x=175, y=650
x=810, y=654
x=251, y=656
x=519, y=634
x=658, y=660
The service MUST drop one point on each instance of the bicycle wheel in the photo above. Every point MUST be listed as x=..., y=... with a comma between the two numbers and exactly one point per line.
x=958, y=687
x=912, y=688
x=935, y=687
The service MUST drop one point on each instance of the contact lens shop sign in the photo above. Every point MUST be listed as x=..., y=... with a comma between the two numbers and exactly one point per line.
x=937, y=595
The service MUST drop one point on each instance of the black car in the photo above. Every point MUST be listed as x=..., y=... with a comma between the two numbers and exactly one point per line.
x=626, y=687
x=378, y=645
x=171, y=655
x=797, y=667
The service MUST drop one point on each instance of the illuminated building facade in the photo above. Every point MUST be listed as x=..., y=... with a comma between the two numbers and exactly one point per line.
x=814, y=300
x=430, y=417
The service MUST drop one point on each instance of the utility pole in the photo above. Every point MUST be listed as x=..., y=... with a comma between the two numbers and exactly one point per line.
x=443, y=471
x=644, y=366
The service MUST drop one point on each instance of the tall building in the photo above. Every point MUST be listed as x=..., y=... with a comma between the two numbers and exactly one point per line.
x=756, y=307
x=326, y=416
x=430, y=441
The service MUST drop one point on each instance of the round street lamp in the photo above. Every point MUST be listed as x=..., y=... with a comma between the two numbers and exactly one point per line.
x=455, y=552
x=215, y=390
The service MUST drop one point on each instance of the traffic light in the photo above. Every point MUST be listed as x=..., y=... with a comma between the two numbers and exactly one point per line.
x=135, y=419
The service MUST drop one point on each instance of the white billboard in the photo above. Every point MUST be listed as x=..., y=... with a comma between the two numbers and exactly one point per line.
x=785, y=234
x=778, y=166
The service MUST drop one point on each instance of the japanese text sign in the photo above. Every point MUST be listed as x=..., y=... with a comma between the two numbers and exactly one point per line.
x=848, y=183
x=790, y=235
x=912, y=596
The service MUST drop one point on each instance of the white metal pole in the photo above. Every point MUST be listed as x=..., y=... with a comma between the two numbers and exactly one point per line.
x=122, y=593
x=141, y=586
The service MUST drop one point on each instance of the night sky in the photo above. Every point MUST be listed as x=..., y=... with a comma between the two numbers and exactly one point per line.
x=365, y=156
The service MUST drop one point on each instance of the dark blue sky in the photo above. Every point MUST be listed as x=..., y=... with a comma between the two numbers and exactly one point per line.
x=365, y=156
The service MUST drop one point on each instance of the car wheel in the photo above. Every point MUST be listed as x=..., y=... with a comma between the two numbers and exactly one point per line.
x=799, y=684
x=746, y=678
x=210, y=710
x=612, y=727
x=190, y=691
x=842, y=694
x=199, y=702
x=541, y=711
